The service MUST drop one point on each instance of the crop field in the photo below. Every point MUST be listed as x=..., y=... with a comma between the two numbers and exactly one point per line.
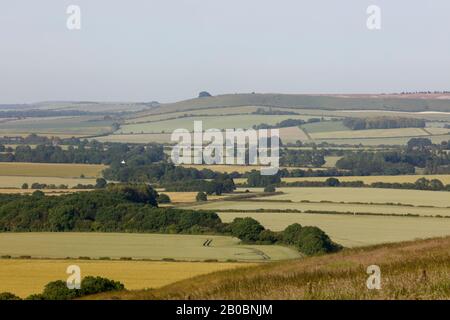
x=49, y=192
x=222, y=122
x=324, y=126
x=352, y=231
x=138, y=246
x=83, y=125
x=382, y=141
x=342, y=208
x=367, y=195
x=146, y=117
x=372, y=133
x=292, y=135
x=237, y=168
x=445, y=178
x=29, y=276
x=183, y=197
x=136, y=138
x=59, y=170
x=18, y=181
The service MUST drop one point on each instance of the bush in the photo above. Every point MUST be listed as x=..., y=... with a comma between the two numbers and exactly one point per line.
x=246, y=229
x=164, y=198
x=270, y=188
x=291, y=233
x=100, y=183
x=25, y=186
x=332, y=182
x=8, y=296
x=312, y=240
x=201, y=196
x=57, y=290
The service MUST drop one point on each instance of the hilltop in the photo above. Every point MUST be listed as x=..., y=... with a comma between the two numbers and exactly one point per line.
x=392, y=102
x=409, y=270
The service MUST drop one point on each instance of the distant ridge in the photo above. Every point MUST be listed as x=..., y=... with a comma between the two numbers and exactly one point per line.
x=390, y=102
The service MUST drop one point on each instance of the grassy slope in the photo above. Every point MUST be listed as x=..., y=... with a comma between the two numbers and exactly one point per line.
x=308, y=102
x=410, y=270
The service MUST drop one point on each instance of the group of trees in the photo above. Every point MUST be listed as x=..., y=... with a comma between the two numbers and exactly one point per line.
x=307, y=240
x=302, y=158
x=58, y=290
x=87, y=152
x=383, y=123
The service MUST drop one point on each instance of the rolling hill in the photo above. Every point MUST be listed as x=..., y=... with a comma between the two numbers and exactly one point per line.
x=303, y=101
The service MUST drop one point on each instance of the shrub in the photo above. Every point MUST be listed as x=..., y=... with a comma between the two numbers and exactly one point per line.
x=164, y=198
x=246, y=229
x=312, y=240
x=269, y=188
x=8, y=296
x=291, y=233
x=201, y=196
x=25, y=186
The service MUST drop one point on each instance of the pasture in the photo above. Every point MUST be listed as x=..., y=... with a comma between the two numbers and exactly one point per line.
x=25, y=277
x=59, y=170
x=353, y=231
x=137, y=246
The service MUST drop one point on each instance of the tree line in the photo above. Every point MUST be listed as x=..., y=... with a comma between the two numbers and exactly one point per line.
x=383, y=123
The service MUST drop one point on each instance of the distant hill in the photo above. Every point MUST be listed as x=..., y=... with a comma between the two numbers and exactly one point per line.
x=409, y=270
x=410, y=103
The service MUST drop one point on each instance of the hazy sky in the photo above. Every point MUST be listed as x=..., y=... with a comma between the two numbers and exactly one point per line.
x=166, y=50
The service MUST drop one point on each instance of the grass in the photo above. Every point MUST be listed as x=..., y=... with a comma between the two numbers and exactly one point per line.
x=25, y=277
x=411, y=270
x=59, y=170
x=139, y=246
x=445, y=178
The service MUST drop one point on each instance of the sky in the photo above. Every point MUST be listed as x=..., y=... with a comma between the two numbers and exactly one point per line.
x=169, y=50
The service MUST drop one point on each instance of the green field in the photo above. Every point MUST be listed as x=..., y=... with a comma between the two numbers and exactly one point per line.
x=222, y=122
x=138, y=246
x=81, y=125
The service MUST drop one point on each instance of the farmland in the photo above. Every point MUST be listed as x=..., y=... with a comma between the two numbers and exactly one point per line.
x=353, y=231
x=445, y=178
x=138, y=246
x=415, y=270
x=18, y=181
x=50, y=170
x=133, y=274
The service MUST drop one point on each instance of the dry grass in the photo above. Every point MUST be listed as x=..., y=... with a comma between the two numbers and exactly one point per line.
x=412, y=270
x=25, y=277
x=60, y=170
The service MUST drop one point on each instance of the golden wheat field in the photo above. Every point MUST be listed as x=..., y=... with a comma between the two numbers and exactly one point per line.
x=187, y=197
x=29, y=276
x=18, y=181
x=60, y=170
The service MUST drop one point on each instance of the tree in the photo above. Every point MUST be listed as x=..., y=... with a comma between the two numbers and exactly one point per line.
x=246, y=229
x=201, y=196
x=25, y=186
x=332, y=182
x=269, y=188
x=100, y=183
x=8, y=296
x=204, y=94
x=164, y=198
x=312, y=240
x=291, y=233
